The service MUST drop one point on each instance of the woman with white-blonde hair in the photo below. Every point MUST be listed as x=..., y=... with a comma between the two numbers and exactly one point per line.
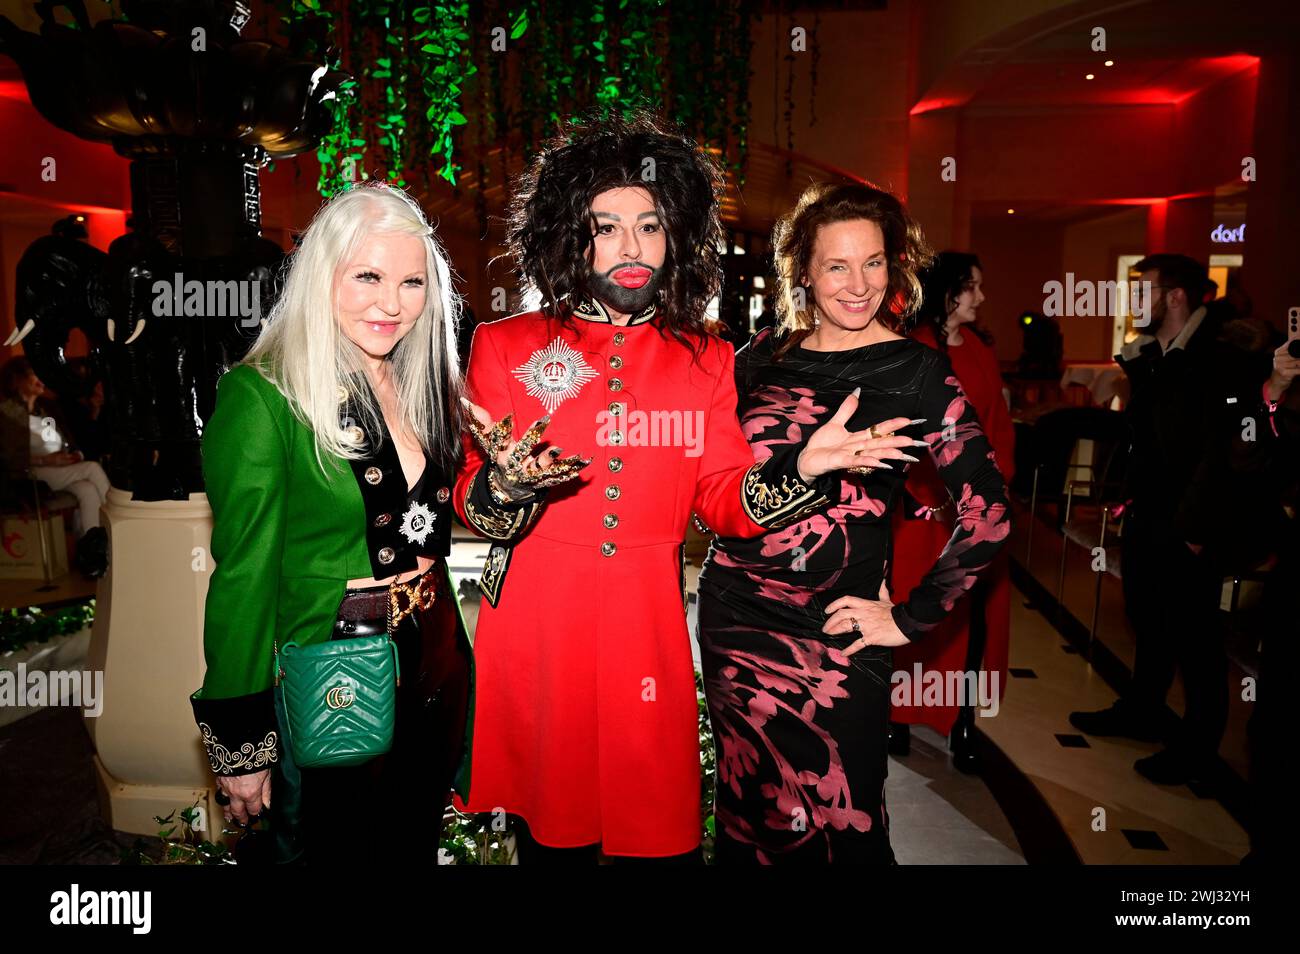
x=329, y=460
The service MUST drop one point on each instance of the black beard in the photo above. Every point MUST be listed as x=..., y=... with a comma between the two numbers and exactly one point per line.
x=627, y=301
x=1157, y=319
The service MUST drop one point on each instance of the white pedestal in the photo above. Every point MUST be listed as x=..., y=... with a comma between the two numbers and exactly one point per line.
x=147, y=639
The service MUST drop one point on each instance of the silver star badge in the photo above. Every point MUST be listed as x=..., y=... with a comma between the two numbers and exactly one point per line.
x=554, y=374
x=417, y=523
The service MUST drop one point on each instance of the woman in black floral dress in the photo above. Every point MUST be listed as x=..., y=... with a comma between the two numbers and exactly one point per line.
x=796, y=625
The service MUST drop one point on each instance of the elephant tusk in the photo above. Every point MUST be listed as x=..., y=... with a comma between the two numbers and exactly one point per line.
x=22, y=333
x=139, y=329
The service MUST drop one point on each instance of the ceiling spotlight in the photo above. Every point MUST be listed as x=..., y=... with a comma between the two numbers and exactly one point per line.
x=1109, y=63
x=1011, y=211
x=1089, y=76
x=81, y=218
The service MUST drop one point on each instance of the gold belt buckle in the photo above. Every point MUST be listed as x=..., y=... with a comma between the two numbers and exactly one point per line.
x=422, y=595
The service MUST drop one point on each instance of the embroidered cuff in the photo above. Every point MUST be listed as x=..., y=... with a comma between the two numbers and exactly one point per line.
x=498, y=521
x=774, y=495
x=240, y=733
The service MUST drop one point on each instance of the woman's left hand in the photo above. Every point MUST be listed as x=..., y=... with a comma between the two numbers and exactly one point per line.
x=875, y=621
x=833, y=447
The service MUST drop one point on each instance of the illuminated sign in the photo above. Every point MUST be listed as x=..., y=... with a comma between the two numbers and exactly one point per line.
x=1222, y=233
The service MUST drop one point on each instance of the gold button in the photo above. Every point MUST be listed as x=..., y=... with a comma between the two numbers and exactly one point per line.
x=616, y=464
x=356, y=434
x=611, y=521
x=618, y=338
x=383, y=519
x=374, y=475
x=443, y=495
x=608, y=548
x=616, y=438
x=386, y=555
x=615, y=409
x=612, y=492
x=615, y=384
x=616, y=362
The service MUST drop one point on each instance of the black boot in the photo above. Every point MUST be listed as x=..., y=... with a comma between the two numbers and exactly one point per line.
x=1121, y=719
x=1175, y=766
x=961, y=742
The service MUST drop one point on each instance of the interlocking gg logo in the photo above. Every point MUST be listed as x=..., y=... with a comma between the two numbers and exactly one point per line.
x=340, y=697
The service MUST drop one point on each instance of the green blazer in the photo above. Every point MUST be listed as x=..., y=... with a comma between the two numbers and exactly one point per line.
x=286, y=538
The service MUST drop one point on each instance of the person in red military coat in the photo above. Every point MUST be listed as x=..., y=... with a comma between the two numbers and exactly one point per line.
x=586, y=712
x=952, y=294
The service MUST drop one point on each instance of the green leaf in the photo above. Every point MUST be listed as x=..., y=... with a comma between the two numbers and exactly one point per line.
x=433, y=48
x=456, y=119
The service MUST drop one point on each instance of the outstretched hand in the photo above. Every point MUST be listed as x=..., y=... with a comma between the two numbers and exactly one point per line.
x=521, y=469
x=834, y=447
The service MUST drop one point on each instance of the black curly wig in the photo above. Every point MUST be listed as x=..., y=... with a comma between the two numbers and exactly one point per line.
x=550, y=224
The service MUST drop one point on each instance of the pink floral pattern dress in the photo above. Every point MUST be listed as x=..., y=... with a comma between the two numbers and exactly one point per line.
x=800, y=728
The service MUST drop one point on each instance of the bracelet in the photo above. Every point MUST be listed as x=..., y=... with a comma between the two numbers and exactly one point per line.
x=499, y=493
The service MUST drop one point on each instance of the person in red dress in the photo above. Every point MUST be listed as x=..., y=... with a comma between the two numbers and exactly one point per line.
x=977, y=635
x=586, y=714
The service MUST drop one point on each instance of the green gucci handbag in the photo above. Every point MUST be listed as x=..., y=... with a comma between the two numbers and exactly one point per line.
x=340, y=699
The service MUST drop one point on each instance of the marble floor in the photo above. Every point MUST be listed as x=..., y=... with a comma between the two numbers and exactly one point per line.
x=1084, y=789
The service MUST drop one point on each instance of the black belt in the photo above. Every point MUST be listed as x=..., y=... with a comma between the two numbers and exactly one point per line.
x=373, y=603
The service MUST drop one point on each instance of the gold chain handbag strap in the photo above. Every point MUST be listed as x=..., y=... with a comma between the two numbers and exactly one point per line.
x=420, y=596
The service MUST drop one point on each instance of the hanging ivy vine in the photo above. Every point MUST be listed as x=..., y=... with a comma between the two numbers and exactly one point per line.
x=519, y=68
x=443, y=69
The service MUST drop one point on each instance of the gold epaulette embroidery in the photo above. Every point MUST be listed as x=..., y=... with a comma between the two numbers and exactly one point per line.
x=494, y=573
x=776, y=505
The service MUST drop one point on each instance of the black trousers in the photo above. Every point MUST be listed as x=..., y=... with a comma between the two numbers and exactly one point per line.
x=388, y=809
x=1171, y=596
